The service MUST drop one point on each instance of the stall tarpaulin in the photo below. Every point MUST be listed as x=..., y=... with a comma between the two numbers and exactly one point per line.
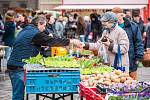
x=84, y=6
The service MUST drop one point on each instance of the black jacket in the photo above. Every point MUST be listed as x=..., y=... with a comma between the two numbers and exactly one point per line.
x=136, y=47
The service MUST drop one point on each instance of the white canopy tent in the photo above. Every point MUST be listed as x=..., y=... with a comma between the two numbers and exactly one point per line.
x=65, y=7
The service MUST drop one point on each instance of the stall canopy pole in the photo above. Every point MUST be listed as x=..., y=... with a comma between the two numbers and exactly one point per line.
x=62, y=11
x=148, y=8
x=145, y=14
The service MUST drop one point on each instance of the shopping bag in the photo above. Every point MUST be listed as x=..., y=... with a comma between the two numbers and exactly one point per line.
x=118, y=61
x=90, y=37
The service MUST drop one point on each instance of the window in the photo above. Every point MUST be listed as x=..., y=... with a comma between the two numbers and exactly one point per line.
x=22, y=5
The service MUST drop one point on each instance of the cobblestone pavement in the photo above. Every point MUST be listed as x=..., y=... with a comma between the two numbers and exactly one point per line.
x=5, y=85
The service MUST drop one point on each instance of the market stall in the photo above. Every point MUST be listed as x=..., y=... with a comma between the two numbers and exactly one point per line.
x=85, y=75
x=52, y=75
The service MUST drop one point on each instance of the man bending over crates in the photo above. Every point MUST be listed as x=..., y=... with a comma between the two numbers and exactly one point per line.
x=27, y=45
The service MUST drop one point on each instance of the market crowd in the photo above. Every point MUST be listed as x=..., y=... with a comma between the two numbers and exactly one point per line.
x=114, y=31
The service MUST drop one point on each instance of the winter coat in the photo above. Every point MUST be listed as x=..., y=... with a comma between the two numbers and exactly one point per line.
x=50, y=30
x=9, y=35
x=119, y=37
x=136, y=47
x=59, y=29
x=70, y=29
x=23, y=47
x=96, y=26
x=81, y=29
x=148, y=37
x=140, y=25
x=88, y=27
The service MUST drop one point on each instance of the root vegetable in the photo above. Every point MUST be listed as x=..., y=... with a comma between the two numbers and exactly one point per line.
x=122, y=79
x=118, y=72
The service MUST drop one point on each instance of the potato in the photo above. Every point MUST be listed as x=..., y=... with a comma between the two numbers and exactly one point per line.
x=113, y=78
x=118, y=72
x=124, y=75
x=117, y=80
x=122, y=79
x=112, y=73
x=100, y=81
x=98, y=77
x=112, y=83
x=86, y=77
x=129, y=78
x=92, y=78
x=128, y=82
x=107, y=79
x=82, y=78
x=91, y=83
x=107, y=76
x=107, y=82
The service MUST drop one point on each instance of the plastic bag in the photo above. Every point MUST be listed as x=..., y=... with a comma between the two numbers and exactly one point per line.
x=118, y=61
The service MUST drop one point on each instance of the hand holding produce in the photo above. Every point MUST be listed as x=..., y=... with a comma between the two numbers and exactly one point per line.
x=76, y=42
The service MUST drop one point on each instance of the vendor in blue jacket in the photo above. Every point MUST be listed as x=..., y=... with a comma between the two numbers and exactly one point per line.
x=27, y=45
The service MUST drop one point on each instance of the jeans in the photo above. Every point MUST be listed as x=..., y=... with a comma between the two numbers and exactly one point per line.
x=86, y=38
x=82, y=38
x=8, y=52
x=17, y=81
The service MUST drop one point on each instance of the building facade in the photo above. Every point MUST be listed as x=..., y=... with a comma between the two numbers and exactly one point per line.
x=5, y=4
x=49, y=4
x=31, y=4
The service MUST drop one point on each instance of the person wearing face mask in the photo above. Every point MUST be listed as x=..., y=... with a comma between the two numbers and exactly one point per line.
x=96, y=26
x=136, y=47
x=115, y=36
x=27, y=45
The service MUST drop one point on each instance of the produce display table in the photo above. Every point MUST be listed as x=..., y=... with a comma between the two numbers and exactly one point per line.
x=44, y=81
x=49, y=76
x=53, y=97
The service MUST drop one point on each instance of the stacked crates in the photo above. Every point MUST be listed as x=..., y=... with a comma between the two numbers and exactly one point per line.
x=52, y=80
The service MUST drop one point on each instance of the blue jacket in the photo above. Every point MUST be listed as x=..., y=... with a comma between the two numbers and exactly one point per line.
x=59, y=29
x=148, y=37
x=9, y=35
x=23, y=47
x=136, y=47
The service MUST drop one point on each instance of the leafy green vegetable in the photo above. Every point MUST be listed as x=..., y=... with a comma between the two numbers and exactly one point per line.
x=95, y=70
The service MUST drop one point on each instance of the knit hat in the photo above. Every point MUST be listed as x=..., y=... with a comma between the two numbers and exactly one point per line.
x=117, y=10
x=109, y=17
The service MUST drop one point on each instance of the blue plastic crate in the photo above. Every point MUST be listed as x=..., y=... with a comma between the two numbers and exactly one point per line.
x=52, y=81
